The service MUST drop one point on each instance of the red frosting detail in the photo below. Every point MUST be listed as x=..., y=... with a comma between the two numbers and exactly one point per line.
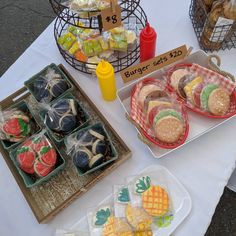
x=12, y=127
x=41, y=169
x=26, y=160
x=49, y=158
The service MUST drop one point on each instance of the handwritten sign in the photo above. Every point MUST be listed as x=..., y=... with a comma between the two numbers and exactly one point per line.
x=156, y=63
x=111, y=17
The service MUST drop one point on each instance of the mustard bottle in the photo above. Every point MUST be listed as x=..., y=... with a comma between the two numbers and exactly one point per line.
x=106, y=79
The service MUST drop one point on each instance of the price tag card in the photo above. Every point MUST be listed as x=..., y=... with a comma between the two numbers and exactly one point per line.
x=156, y=63
x=110, y=18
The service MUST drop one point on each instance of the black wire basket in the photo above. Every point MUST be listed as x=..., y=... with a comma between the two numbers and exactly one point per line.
x=91, y=18
x=211, y=37
x=122, y=59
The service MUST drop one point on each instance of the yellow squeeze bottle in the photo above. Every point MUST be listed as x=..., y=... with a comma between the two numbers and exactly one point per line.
x=106, y=79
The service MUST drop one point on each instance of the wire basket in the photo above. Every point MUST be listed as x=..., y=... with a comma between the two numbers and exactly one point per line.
x=211, y=37
x=90, y=18
x=122, y=59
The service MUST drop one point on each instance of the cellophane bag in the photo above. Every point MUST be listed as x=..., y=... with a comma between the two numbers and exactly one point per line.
x=15, y=125
x=36, y=156
x=151, y=199
x=49, y=86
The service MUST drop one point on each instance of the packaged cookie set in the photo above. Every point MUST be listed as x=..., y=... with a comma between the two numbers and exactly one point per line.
x=157, y=113
x=63, y=116
x=203, y=91
x=220, y=23
x=91, y=148
x=49, y=84
x=37, y=159
x=16, y=124
x=140, y=208
x=88, y=45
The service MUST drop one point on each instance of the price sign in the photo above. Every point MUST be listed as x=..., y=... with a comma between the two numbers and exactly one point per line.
x=111, y=18
x=156, y=63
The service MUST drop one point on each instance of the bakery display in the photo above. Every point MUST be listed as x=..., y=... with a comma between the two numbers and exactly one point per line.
x=90, y=148
x=49, y=84
x=64, y=116
x=90, y=46
x=203, y=90
x=37, y=159
x=161, y=117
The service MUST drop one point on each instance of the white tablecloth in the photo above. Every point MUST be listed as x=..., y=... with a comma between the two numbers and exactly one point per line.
x=203, y=166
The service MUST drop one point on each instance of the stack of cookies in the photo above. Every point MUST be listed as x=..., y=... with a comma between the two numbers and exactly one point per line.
x=162, y=113
x=200, y=93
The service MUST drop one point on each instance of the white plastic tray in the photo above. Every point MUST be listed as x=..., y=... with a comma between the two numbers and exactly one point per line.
x=198, y=124
x=181, y=200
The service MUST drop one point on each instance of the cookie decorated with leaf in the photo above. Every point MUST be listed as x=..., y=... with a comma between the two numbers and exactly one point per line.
x=155, y=199
x=123, y=195
x=102, y=216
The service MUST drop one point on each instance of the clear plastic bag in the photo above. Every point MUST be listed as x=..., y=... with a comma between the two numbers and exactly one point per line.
x=89, y=149
x=15, y=125
x=63, y=116
x=103, y=222
x=121, y=199
x=37, y=156
x=149, y=197
x=202, y=88
x=49, y=86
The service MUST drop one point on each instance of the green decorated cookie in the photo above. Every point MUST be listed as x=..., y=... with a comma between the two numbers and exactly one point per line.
x=167, y=112
x=164, y=221
x=142, y=184
x=101, y=216
x=206, y=91
x=123, y=195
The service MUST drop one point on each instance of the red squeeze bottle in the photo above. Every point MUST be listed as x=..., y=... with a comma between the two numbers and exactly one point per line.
x=148, y=39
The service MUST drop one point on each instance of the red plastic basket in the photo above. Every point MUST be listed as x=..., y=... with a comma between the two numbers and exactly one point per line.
x=231, y=112
x=152, y=139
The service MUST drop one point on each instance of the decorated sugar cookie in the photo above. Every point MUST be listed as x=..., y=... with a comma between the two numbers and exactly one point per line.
x=123, y=195
x=155, y=199
x=117, y=227
x=101, y=216
x=138, y=218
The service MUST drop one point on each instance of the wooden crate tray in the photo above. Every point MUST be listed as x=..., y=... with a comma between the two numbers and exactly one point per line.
x=48, y=199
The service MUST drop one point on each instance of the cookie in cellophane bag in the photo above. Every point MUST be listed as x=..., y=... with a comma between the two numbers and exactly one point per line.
x=103, y=222
x=63, y=116
x=202, y=90
x=137, y=218
x=160, y=115
x=16, y=124
x=150, y=193
x=48, y=84
x=90, y=148
x=37, y=159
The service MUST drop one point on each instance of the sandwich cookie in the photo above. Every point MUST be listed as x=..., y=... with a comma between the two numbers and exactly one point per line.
x=176, y=76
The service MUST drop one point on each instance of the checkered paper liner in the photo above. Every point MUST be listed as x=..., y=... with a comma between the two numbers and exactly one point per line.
x=210, y=77
x=140, y=118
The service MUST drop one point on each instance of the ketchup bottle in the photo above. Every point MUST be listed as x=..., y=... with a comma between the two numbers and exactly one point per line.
x=148, y=39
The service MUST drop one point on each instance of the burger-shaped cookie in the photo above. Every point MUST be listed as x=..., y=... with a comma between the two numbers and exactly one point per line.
x=163, y=120
x=202, y=90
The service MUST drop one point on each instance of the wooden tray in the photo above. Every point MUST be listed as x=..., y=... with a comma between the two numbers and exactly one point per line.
x=48, y=199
